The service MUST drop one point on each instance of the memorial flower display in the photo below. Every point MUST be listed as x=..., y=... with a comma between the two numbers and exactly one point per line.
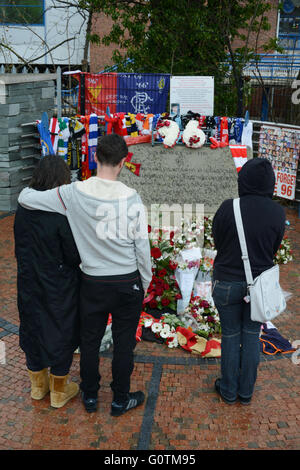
x=166, y=246
x=189, y=235
x=207, y=320
x=197, y=328
x=165, y=328
x=163, y=290
x=208, y=238
x=284, y=253
x=207, y=260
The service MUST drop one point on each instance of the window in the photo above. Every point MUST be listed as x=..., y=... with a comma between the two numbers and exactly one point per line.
x=22, y=12
x=289, y=25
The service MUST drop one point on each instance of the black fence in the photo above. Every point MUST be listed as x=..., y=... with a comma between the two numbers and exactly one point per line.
x=275, y=101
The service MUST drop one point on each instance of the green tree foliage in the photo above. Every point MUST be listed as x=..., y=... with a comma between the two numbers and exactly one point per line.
x=187, y=37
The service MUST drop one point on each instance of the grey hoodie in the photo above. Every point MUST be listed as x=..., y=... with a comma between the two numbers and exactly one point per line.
x=108, y=222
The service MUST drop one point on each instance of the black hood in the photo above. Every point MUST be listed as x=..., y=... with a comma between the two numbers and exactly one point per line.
x=256, y=177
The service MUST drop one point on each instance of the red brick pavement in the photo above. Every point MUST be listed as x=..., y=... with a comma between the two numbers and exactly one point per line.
x=186, y=413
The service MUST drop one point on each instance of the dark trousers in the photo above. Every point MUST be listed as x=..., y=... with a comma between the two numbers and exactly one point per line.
x=240, y=340
x=58, y=369
x=122, y=296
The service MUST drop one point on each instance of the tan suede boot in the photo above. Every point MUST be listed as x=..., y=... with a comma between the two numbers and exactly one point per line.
x=39, y=383
x=61, y=391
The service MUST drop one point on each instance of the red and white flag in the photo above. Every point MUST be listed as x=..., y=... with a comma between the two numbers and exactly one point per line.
x=239, y=154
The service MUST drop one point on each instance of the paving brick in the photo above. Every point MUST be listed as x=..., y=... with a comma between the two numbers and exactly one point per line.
x=187, y=414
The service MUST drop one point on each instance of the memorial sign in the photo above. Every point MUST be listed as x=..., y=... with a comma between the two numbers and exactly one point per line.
x=192, y=94
x=181, y=176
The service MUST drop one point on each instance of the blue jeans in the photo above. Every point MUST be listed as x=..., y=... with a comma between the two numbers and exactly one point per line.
x=240, y=349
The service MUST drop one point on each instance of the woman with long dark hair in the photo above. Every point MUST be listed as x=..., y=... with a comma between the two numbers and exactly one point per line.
x=48, y=288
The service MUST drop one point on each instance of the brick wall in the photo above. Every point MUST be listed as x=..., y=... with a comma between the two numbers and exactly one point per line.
x=100, y=56
x=264, y=36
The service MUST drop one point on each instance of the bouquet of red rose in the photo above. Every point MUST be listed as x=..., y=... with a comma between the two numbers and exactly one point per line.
x=163, y=290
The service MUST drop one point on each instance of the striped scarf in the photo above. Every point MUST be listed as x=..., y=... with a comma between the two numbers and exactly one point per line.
x=92, y=140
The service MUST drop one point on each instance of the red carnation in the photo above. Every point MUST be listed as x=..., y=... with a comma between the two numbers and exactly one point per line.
x=173, y=265
x=155, y=253
x=159, y=290
x=162, y=272
x=153, y=303
x=169, y=340
x=165, y=302
x=178, y=296
x=151, y=287
x=204, y=304
x=166, y=286
x=149, y=228
x=171, y=235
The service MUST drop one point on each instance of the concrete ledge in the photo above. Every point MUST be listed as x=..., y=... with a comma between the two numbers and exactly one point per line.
x=9, y=78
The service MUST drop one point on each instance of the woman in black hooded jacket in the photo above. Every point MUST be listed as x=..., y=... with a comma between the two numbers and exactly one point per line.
x=48, y=288
x=264, y=224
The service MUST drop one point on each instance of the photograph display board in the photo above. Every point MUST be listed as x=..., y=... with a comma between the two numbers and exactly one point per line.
x=282, y=147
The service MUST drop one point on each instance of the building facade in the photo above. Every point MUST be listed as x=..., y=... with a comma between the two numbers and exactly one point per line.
x=284, y=25
x=41, y=32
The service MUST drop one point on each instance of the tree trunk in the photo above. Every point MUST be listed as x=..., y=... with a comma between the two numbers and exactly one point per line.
x=85, y=61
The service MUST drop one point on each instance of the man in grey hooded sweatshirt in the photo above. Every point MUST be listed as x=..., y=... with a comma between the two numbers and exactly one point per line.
x=109, y=226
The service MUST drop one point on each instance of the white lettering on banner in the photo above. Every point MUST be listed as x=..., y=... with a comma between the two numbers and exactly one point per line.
x=285, y=185
x=138, y=102
x=296, y=94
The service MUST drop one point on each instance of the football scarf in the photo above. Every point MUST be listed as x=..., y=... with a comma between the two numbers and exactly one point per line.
x=238, y=130
x=54, y=130
x=239, y=154
x=85, y=171
x=45, y=139
x=63, y=138
x=132, y=129
x=224, y=130
x=134, y=167
x=247, y=134
x=92, y=140
x=77, y=130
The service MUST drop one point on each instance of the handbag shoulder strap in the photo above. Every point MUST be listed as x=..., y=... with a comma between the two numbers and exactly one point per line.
x=242, y=239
